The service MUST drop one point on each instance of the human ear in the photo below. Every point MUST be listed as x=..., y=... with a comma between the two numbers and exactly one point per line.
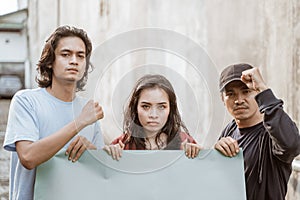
x=222, y=97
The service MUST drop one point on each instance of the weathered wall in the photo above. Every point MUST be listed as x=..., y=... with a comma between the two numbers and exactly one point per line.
x=265, y=33
x=262, y=33
x=4, y=155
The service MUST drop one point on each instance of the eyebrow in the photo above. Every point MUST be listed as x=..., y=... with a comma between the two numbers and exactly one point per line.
x=228, y=90
x=70, y=51
x=160, y=103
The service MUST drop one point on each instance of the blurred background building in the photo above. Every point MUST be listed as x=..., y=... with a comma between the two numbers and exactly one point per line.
x=264, y=33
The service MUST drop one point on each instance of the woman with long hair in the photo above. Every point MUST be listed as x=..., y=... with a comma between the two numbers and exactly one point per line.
x=152, y=120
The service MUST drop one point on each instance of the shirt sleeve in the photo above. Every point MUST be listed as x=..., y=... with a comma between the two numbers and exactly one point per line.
x=184, y=136
x=283, y=131
x=115, y=141
x=22, y=122
x=120, y=138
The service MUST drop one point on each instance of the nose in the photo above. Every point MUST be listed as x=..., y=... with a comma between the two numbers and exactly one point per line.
x=73, y=60
x=239, y=99
x=153, y=113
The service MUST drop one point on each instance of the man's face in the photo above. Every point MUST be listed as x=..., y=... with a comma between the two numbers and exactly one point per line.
x=240, y=103
x=70, y=60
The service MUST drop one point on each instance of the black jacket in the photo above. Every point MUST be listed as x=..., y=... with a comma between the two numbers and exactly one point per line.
x=268, y=148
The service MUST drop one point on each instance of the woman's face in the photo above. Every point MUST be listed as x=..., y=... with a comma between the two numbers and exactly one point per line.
x=153, y=110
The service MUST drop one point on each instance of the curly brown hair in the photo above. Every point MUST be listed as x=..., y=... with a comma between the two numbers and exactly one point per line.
x=44, y=78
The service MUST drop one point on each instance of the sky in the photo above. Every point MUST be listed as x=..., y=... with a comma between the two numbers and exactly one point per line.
x=7, y=6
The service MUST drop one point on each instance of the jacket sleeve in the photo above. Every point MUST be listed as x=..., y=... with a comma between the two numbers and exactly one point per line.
x=283, y=131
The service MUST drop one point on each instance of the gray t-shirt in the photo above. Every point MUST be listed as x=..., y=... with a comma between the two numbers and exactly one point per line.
x=35, y=114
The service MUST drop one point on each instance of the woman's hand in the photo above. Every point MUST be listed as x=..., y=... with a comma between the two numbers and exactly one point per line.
x=191, y=150
x=115, y=150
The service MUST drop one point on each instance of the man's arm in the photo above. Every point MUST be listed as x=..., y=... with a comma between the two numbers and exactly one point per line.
x=283, y=131
x=32, y=154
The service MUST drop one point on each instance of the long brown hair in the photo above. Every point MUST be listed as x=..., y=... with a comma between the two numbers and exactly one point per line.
x=132, y=126
x=44, y=78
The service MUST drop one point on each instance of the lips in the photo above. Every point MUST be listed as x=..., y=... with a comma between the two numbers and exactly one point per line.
x=72, y=70
x=152, y=123
x=240, y=108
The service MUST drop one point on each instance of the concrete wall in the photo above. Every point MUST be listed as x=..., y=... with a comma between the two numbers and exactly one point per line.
x=13, y=47
x=265, y=33
x=4, y=155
